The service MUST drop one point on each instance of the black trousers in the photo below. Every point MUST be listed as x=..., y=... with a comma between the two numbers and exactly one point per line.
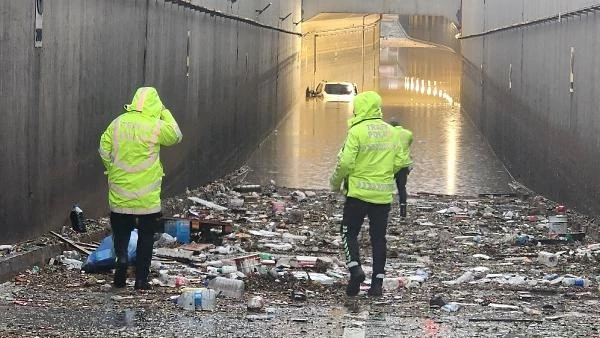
x=401, y=178
x=122, y=225
x=355, y=211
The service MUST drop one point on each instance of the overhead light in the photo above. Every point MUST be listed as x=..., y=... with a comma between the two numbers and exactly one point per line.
x=285, y=17
x=260, y=11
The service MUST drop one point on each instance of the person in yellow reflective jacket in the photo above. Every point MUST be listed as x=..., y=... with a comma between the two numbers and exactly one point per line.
x=365, y=169
x=406, y=137
x=130, y=152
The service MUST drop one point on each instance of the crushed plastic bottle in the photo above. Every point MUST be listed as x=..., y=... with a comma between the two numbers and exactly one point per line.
x=464, y=278
x=451, y=307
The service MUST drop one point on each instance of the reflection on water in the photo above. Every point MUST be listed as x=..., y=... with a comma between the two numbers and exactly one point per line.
x=451, y=156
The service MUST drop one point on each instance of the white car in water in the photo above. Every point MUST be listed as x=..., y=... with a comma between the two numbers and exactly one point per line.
x=336, y=91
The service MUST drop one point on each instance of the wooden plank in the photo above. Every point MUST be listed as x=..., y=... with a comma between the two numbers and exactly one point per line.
x=71, y=243
x=516, y=320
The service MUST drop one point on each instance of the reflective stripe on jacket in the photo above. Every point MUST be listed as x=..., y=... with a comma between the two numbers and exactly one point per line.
x=371, y=154
x=129, y=149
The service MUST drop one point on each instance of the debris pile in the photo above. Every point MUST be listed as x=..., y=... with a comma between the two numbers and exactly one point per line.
x=257, y=253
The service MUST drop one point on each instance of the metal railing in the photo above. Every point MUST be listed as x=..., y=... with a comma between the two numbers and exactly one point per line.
x=214, y=12
x=557, y=17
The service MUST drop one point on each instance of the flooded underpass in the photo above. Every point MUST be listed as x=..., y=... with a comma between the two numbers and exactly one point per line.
x=420, y=88
x=462, y=264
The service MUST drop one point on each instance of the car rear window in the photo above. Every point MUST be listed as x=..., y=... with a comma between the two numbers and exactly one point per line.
x=338, y=89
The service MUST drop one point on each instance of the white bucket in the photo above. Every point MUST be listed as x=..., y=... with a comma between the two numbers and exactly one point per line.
x=557, y=224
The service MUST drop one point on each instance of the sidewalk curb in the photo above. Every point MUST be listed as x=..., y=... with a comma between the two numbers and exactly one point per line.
x=14, y=265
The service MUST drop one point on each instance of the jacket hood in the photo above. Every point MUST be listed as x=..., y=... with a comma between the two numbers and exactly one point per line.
x=367, y=106
x=147, y=102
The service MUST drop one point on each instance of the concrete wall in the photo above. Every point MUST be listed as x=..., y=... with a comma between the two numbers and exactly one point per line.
x=437, y=30
x=58, y=99
x=446, y=8
x=548, y=137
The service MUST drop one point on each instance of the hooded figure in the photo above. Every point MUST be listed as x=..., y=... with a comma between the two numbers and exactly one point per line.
x=366, y=165
x=370, y=155
x=129, y=149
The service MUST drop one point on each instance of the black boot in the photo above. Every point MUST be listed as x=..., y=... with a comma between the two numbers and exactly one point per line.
x=402, y=210
x=141, y=284
x=357, y=276
x=120, y=276
x=376, y=289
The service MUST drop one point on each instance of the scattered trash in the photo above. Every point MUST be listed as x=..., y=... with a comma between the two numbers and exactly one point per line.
x=451, y=307
x=283, y=246
x=233, y=288
x=256, y=303
x=202, y=299
x=207, y=203
x=6, y=247
x=436, y=301
x=76, y=217
x=103, y=258
x=548, y=259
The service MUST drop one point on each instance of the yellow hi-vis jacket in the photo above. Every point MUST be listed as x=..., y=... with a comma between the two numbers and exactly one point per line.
x=371, y=155
x=406, y=138
x=130, y=149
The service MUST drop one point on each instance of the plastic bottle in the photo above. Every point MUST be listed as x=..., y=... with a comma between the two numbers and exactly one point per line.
x=583, y=282
x=233, y=288
x=77, y=219
x=265, y=256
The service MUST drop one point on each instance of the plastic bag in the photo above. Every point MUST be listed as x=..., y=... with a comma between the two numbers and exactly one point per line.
x=103, y=258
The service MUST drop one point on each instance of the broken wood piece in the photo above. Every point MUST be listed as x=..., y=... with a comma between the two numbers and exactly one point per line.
x=71, y=243
x=87, y=245
x=508, y=320
x=196, y=247
x=175, y=254
x=248, y=188
x=207, y=203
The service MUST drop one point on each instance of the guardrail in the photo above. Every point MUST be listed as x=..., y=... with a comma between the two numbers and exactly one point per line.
x=214, y=12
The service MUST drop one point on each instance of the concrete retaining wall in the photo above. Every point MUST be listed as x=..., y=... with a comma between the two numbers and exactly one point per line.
x=56, y=100
x=516, y=87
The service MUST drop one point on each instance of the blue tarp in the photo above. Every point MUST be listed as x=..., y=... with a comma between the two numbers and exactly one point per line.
x=103, y=258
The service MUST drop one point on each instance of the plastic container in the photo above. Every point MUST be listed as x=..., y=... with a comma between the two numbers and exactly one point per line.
x=227, y=269
x=233, y=288
x=178, y=227
x=390, y=284
x=557, y=224
x=548, y=259
x=200, y=299
x=247, y=264
x=576, y=282
x=278, y=207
